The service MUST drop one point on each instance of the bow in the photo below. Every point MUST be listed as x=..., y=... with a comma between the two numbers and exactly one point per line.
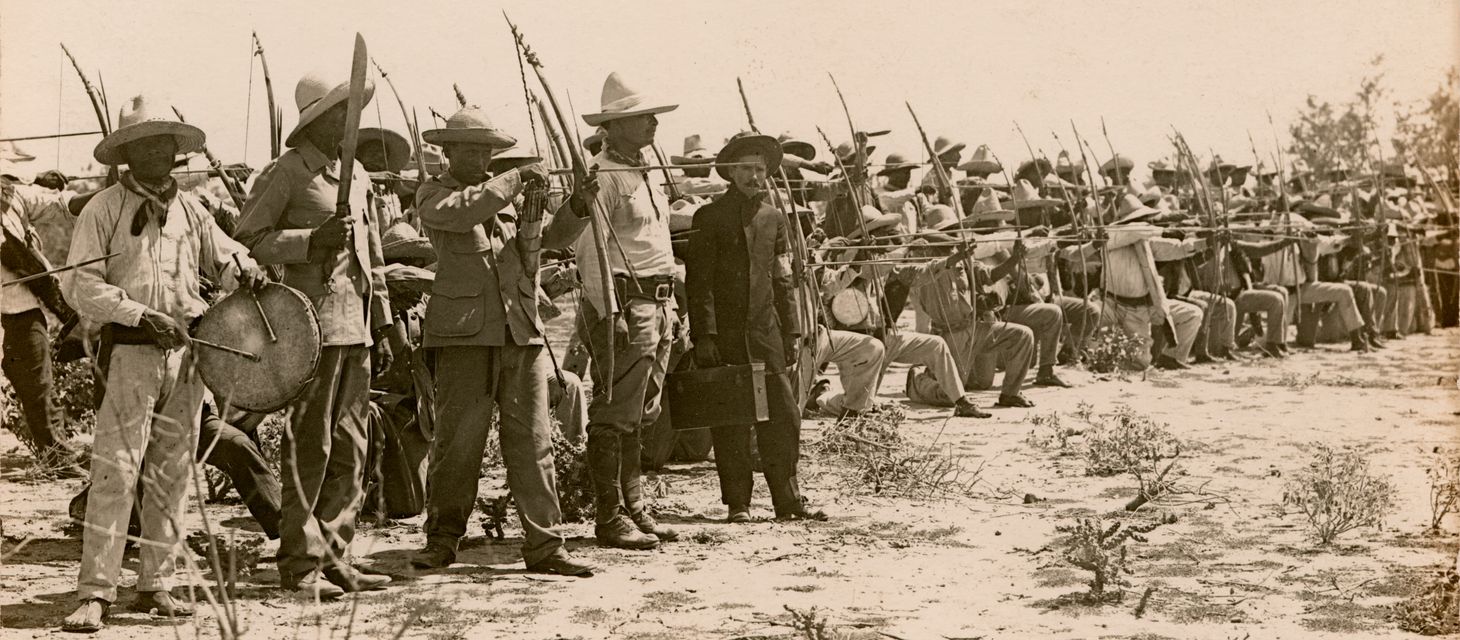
x=98, y=105
x=276, y=113
x=411, y=127
x=580, y=176
x=215, y=168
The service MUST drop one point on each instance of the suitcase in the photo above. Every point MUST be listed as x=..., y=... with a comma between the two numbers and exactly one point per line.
x=717, y=397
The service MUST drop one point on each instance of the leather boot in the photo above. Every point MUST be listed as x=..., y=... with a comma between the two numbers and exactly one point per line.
x=602, y=453
x=611, y=524
x=631, y=482
x=1373, y=337
x=1357, y=341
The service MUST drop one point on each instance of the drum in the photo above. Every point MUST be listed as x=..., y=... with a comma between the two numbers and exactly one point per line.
x=278, y=325
x=851, y=307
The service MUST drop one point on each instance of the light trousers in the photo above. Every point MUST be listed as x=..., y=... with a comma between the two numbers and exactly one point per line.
x=149, y=414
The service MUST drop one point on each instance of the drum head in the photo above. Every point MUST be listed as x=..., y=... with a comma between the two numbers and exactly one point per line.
x=850, y=307
x=285, y=364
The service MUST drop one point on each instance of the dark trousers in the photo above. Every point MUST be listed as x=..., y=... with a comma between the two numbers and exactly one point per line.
x=27, y=364
x=779, y=442
x=234, y=453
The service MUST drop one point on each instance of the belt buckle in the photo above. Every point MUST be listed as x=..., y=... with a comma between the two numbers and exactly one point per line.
x=663, y=291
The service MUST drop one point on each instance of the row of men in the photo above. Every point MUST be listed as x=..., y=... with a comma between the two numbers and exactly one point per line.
x=748, y=286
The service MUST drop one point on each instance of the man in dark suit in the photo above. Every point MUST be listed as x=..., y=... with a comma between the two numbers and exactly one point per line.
x=743, y=310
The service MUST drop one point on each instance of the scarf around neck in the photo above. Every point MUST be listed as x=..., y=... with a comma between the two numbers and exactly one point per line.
x=155, y=201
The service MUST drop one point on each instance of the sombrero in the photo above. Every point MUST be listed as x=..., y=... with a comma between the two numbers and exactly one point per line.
x=982, y=162
x=1131, y=210
x=315, y=95
x=619, y=100
x=138, y=120
x=796, y=147
x=1027, y=197
x=694, y=152
x=896, y=162
x=470, y=125
x=397, y=149
x=509, y=159
x=401, y=241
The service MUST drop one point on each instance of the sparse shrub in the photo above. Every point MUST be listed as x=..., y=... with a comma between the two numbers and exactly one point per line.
x=239, y=555
x=1128, y=443
x=1102, y=551
x=1338, y=492
x=1112, y=349
x=1434, y=611
x=1444, y=475
x=882, y=461
x=575, y=486
x=1049, y=431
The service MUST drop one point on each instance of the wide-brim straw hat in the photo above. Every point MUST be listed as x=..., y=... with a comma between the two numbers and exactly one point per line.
x=141, y=119
x=797, y=147
x=982, y=162
x=894, y=163
x=944, y=145
x=409, y=278
x=748, y=144
x=1120, y=163
x=619, y=100
x=401, y=241
x=694, y=152
x=397, y=148
x=470, y=125
x=1025, y=196
x=315, y=94
x=1131, y=210
x=511, y=158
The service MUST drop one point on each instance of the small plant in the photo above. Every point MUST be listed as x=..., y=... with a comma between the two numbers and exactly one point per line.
x=1434, y=611
x=1128, y=443
x=243, y=552
x=495, y=511
x=1049, y=432
x=575, y=487
x=1338, y=492
x=1111, y=349
x=883, y=462
x=1102, y=551
x=810, y=624
x=1444, y=475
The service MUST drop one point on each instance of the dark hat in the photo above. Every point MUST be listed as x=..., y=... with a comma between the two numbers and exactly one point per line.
x=747, y=144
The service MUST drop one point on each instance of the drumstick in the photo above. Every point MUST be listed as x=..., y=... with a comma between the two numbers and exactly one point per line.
x=258, y=305
x=226, y=349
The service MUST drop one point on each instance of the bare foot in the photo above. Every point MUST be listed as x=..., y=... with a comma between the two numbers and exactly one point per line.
x=87, y=618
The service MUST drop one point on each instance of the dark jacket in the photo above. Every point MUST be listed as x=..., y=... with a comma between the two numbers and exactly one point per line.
x=738, y=274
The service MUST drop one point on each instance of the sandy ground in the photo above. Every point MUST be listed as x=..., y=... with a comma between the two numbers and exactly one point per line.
x=984, y=567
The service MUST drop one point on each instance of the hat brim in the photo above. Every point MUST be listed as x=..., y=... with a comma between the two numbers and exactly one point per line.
x=691, y=160
x=1034, y=203
x=894, y=168
x=766, y=147
x=337, y=95
x=397, y=149
x=409, y=249
x=109, y=150
x=980, y=166
x=1143, y=213
x=409, y=278
x=955, y=147
x=490, y=137
x=800, y=149
x=595, y=119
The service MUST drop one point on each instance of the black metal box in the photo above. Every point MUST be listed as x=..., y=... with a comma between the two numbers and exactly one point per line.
x=717, y=397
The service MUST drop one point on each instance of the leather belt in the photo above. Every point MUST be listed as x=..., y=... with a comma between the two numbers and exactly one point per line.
x=1133, y=301
x=657, y=288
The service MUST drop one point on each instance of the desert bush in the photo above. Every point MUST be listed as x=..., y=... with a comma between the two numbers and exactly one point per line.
x=881, y=461
x=575, y=485
x=1112, y=349
x=72, y=384
x=1338, y=492
x=1128, y=442
x=1049, y=431
x=1433, y=611
x=1102, y=551
x=1444, y=475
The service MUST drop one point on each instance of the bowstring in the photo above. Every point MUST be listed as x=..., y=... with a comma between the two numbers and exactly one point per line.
x=248, y=104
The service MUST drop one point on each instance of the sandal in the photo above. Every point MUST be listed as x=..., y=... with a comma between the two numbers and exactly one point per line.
x=90, y=617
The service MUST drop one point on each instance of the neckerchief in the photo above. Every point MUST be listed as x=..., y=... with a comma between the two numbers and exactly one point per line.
x=155, y=202
x=636, y=161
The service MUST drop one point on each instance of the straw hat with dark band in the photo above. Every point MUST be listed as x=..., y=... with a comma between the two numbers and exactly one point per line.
x=619, y=100
x=139, y=119
x=470, y=125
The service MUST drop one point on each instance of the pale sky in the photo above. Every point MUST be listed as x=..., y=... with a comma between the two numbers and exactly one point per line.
x=1213, y=70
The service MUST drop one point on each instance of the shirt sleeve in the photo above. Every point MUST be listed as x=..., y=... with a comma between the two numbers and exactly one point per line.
x=85, y=288
x=258, y=224
x=221, y=255
x=458, y=211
